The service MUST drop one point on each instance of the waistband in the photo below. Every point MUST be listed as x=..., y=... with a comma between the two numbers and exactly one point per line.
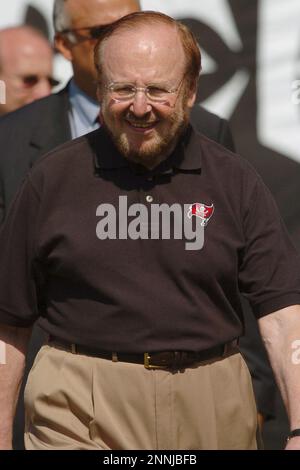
x=170, y=360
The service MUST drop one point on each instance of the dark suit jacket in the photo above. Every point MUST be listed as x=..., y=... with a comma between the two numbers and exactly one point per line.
x=25, y=135
x=32, y=131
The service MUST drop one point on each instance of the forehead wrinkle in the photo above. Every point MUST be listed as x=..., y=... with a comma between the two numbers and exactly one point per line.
x=151, y=55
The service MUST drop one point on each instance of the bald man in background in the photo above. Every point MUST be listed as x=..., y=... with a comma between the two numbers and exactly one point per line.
x=26, y=59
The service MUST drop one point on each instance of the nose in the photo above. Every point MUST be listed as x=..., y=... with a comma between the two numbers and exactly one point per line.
x=41, y=89
x=140, y=106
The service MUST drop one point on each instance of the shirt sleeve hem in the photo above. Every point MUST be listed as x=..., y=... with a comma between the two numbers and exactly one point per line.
x=272, y=305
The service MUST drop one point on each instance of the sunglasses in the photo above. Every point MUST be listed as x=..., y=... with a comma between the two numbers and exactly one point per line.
x=89, y=32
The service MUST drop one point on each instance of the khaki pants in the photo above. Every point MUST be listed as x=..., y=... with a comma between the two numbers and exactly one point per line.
x=80, y=402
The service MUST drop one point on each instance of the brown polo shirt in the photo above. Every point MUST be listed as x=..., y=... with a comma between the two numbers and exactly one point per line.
x=108, y=254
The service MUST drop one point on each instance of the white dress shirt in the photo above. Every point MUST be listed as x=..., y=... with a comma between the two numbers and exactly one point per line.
x=83, y=113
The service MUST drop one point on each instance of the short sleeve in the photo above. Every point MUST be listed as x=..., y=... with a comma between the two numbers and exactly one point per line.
x=18, y=265
x=269, y=271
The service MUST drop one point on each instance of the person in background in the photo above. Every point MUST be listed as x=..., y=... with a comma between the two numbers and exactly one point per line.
x=26, y=60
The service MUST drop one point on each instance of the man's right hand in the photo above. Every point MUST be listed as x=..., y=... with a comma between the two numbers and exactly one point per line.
x=5, y=444
x=13, y=346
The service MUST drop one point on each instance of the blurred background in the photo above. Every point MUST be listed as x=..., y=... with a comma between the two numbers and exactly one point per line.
x=251, y=76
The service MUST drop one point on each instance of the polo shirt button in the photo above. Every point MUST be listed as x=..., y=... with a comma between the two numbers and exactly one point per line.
x=149, y=198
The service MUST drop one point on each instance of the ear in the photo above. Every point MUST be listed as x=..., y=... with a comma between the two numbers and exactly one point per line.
x=63, y=45
x=192, y=98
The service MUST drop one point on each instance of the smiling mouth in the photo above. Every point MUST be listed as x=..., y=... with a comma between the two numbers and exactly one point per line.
x=141, y=126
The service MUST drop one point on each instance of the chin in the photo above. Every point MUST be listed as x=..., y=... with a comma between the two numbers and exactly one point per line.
x=147, y=152
x=150, y=151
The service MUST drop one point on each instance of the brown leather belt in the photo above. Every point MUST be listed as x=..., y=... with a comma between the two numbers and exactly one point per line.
x=159, y=360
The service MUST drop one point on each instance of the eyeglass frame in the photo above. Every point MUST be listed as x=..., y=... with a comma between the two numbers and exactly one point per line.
x=97, y=28
x=144, y=90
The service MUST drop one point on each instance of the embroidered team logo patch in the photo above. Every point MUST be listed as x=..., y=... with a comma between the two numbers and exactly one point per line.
x=204, y=212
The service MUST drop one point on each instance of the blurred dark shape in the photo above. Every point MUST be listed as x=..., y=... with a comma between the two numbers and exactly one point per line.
x=227, y=60
x=33, y=17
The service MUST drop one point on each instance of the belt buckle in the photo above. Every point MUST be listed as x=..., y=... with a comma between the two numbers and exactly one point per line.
x=147, y=365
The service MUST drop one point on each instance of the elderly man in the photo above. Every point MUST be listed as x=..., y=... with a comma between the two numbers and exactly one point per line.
x=25, y=67
x=142, y=232
x=70, y=113
x=74, y=111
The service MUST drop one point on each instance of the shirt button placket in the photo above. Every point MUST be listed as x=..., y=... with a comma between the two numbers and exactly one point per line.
x=149, y=198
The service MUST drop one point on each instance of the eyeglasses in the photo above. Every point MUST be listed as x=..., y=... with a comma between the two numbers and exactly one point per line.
x=30, y=81
x=120, y=91
x=89, y=32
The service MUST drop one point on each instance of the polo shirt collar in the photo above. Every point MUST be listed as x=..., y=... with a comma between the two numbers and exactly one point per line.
x=185, y=157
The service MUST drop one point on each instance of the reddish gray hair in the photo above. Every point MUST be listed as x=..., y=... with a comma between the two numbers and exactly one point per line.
x=144, y=18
